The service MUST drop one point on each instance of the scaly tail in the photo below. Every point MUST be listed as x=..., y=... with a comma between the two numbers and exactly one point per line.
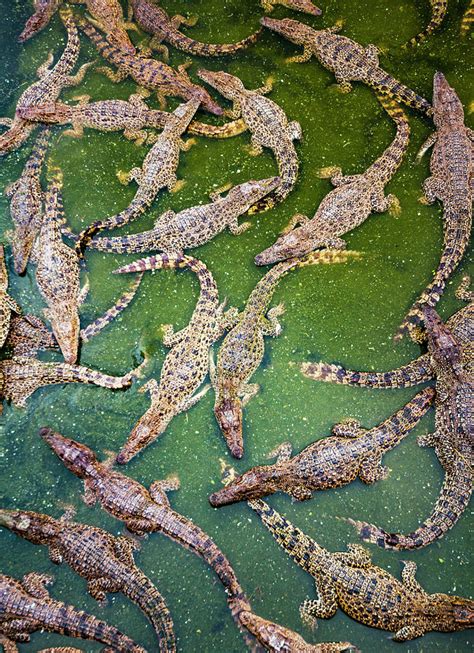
x=182, y=42
x=101, y=322
x=168, y=261
x=65, y=373
x=467, y=20
x=383, y=82
x=438, y=13
x=228, y=130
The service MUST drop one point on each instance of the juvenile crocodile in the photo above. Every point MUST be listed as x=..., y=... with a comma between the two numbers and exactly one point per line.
x=26, y=607
x=187, y=363
x=11, y=647
x=158, y=171
x=467, y=20
x=243, y=347
x=149, y=73
x=20, y=376
x=348, y=60
x=105, y=561
x=26, y=203
x=439, y=9
x=44, y=11
x=366, y=593
x=279, y=639
x=7, y=304
x=193, y=226
x=154, y=20
x=268, y=125
x=144, y=511
x=349, y=204
x=331, y=462
x=450, y=361
x=47, y=88
x=306, y=6
x=452, y=182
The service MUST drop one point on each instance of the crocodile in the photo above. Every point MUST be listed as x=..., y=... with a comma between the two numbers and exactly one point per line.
x=451, y=182
x=28, y=334
x=154, y=20
x=331, y=462
x=364, y=591
x=11, y=647
x=7, y=304
x=467, y=20
x=348, y=60
x=243, y=347
x=144, y=511
x=148, y=73
x=439, y=9
x=268, y=125
x=306, y=6
x=187, y=363
x=26, y=201
x=158, y=171
x=349, y=204
x=279, y=639
x=105, y=561
x=44, y=11
x=21, y=376
x=193, y=226
x=47, y=88
x=26, y=607
x=449, y=360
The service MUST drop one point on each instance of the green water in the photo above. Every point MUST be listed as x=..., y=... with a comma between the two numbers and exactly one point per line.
x=347, y=313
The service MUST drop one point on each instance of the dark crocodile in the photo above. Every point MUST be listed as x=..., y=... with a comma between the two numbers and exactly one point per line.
x=349, y=204
x=439, y=9
x=331, y=462
x=366, y=593
x=348, y=60
x=7, y=304
x=105, y=561
x=26, y=607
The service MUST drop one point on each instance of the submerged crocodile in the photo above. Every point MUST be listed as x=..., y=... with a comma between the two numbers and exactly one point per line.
x=450, y=361
x=439, y=9
x=306, y=6
x=149, y=73
x=268, y=125
x=44, y=11
x=467, y=20
x=144, y=511
x=47, y=88
x=154, y=20
x=331, y=462
x=158, y=171
x=243, y=348
x=349, y=204
x=7, y=304
x=26, y=200
x=451, y=182
x=366, y=593
x=176, y=232
x=26, y=607
x=348, y=60
x=187, y=363
x=105, y=561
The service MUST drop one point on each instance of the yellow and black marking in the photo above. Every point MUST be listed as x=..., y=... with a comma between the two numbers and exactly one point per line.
x=438, y=13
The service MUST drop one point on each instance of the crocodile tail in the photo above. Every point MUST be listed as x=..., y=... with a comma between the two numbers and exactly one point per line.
x=438, y=13
x=387, y=164
x=66, y=373
x=70, y=55
x=384, y=83
x=130, y=244
x=16, y=135
x=467, y=20
x=183, y=42
x=101, y=322
x=40, y=147
x=141, y=591
x=452, y=501
x=228, y=130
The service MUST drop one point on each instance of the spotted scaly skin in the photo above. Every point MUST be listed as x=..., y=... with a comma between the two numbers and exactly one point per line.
x=467, y=20
x=26, y=203
x=7, y=304
x=105, y=561
x=11, y=647
x=348, y=60
x=26, y=607
x=365, y=592
x=48, y=87
x=439, y=9
x=144, y=511
x=349, y=204
x=44, y=11
x=331, y=462
x=149, y=73
x=450, y=361
x=268, y=125
x=243, y=348
x=306, y=6
x=153, y=19
x=158, y=171
x=278, y=639
x=451, y=182
x=195, y=226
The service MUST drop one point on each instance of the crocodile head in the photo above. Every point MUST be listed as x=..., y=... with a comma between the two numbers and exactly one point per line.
x=179, y=120
x=298, y=242
x=228, y=85
x=78, y=458
x=305, y=6
x=149, y=427
x=50, y=113
x=65, y=326
x=33, y=526
x=38, y=21
x=447, y=108
x=196, y=92
x=450, y=613
x=292, y=30
x=228, y=414
x=16, y=135
x=252, y=191
x=256, y=483
x=442, y=345
x=23, y=239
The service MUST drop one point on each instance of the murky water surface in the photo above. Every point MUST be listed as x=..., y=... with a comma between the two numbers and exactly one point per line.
x=347, y=313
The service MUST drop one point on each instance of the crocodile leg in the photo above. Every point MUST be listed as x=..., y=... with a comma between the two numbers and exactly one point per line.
x=408, y=632
x=77, y=131
x=380, y=203
x=408, y=577
x=334, y=173
x=179, y=20
x=114, y=75
x=35, y=584
x=43, y=69
x=191, y=401
x=301, y=58
x=247, y=392
x=74, y=80
x=372, y=470
x=282, y=453
x=172, y=338
x=349, y=428
x=324, y=607
x=462, y=291
x=235, y=112
x=430, y=141
x=271, y=325
x=236, y=229
x=137, y=135
x=297, y=219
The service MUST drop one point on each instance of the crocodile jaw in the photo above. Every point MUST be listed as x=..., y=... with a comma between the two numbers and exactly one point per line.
x=228, y=414
x=254, y=484
x=77, y=457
